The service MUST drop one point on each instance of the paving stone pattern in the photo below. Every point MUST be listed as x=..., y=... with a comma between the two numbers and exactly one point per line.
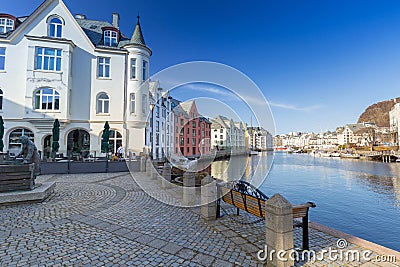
x=107, y=220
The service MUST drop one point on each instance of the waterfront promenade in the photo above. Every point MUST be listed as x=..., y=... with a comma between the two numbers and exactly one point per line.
x=108, y=220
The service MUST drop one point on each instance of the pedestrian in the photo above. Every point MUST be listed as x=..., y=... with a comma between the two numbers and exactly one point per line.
x=120, y=151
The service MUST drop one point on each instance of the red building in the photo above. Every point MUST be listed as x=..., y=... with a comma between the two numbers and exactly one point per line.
x=192, y=133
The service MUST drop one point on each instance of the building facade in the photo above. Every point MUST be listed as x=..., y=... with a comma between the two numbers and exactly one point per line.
x=228, y=135
x=83, y=72
x=191, y=131
x=394, y=116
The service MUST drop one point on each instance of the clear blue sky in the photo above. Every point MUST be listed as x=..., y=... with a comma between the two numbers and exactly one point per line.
x=319, y=63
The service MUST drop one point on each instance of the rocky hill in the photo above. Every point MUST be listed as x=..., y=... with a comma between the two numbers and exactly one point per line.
x=378, y=113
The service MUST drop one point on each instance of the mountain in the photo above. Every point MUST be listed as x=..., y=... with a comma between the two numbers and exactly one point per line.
x=379, y=113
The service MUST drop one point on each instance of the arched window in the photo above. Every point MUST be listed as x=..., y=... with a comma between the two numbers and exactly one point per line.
x=1, y=99
x=55, y=27
x=6, y=25
x=47, y=99
x=14, y=146
x=103, y=103
x=115, y=140
x=110, y=38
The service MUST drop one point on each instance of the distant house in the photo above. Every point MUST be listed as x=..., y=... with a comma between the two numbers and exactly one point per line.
x=394, y=116
x=192, y=131
x=260, y=139
x=227, y=134
x=361, y=134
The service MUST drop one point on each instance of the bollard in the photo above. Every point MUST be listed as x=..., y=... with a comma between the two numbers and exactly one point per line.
x=148, y=167
x=208, y=198
x=143, y=164
x=189, y=189
x=154, y=173
x=279, y=231
x=166, y=176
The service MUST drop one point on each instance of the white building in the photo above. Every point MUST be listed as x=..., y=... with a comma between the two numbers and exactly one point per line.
x=83, y=72
x=227, y=135
x=394, y=116
x=260, y=139
x=159, y=130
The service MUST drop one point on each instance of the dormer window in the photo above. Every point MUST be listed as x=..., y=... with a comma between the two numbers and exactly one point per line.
x=110, y=38
x=6, y=25
x=55, y=27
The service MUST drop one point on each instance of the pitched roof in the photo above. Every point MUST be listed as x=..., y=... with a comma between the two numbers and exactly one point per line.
x=93, y=29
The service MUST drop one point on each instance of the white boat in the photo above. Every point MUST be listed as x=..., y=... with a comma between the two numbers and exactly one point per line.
x=349, y=156
x=335, y=154
x=253, y=152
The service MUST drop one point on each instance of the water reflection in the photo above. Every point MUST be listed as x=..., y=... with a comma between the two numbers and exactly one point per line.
x=354, y=196
x=253, y=169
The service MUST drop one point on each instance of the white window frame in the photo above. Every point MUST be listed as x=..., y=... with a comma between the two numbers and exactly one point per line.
x=3, y=57
x=144, y=70
x=109, y=37
x=1, y=100
x=52, y=60
x=104, y=64
x=133, y=102
x=40, y=96
x=58, y=27
x=6, y=25
x=101, y=104
x=133, y=68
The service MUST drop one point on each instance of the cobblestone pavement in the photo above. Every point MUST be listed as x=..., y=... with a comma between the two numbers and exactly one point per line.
x=107, y=220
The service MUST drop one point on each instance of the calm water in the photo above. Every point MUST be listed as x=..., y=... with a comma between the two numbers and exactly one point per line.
x=359, y=197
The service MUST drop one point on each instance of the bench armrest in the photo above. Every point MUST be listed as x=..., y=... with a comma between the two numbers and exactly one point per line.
x=305, y=205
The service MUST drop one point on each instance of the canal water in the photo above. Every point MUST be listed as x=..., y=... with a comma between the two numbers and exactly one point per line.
x=358, y=197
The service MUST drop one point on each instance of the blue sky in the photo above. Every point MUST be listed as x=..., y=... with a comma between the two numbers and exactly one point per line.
x=318, y=63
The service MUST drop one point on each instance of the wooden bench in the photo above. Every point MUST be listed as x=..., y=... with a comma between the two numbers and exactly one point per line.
x=17, y=177
x=246, y=197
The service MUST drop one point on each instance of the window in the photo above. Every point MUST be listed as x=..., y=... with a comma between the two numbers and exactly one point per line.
x=194, y=132
x=176, y=129
x=110, y=38
x=157, y=111
x=181, y=141
x=2, y=58
x=182, y=122
x=103, y=67
x=221, y=131
x=144, y=70
x=157, y=126
x=48, y=59
x=55, y=27
x=133, y=68
x=193, y=141
x=115, y=140
x=133, y=103
x=1, y=99
x=144, y=103
x=157, y=139
x=14, y=146
x=182, y=131
x=47, y=99
x=103, y=104
x=193, y=124
x=6, y=25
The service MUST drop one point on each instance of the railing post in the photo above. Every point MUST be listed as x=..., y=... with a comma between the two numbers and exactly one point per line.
x=208, y=198
x=166, y=176
x=279, y=231
x=189, y=189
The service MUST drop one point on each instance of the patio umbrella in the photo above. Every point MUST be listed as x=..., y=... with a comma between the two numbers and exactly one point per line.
x=1, y=133
x=105, y=138
x=56, y=137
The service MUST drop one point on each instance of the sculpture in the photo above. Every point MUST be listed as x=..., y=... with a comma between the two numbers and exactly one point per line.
x=29, y=153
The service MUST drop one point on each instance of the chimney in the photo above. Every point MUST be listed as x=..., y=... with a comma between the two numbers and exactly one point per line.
x=80, y=16
x=115, y=20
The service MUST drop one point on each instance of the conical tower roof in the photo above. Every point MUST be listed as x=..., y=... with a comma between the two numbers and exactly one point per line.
x=137, y=36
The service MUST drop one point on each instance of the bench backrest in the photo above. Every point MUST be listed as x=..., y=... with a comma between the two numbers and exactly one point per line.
x=244, y=196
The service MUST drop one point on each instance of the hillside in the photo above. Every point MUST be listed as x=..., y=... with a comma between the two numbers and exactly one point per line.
x=378, y=113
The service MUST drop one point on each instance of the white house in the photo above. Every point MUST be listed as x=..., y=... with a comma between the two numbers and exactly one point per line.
x=83, y=72
x=228, y=135
x=394, y=116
